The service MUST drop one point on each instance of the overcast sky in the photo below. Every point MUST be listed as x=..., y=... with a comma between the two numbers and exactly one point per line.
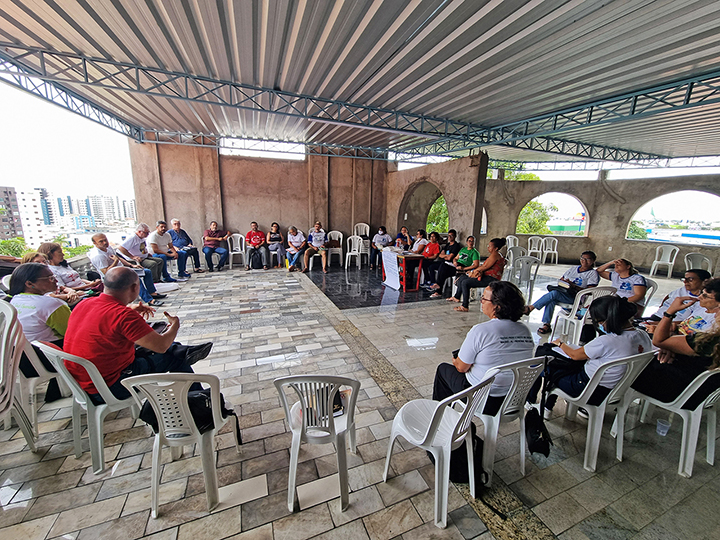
x=43, y=145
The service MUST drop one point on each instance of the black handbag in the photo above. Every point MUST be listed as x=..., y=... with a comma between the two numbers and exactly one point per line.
x=536, y=434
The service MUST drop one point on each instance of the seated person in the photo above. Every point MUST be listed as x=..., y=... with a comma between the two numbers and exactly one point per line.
x=403, y=240
x=66, y=294
x=255, y=240
x=103, y=258
x=692, y=286
x=65, y=274
x=135, y=248
x=41, y=316
x=161, y=247
x=317, y=240
x=627, y=281
x=576, y=279
x=379, y=241
x=446, y=255
x=490, y=270
x=682, y=358
x=420, y=242
x=465, y=260
x=182, y=242
x=613, y=315
x=212, y=238
x=296, y=247
x=106, y=330
x=501, y=340
x=275, y=242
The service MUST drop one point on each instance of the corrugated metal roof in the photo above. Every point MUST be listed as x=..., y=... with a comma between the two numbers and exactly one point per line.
x=486, y=62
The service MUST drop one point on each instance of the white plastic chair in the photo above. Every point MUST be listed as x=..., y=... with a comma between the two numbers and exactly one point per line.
x=525, y=373
x=353, y=250
x=691, y=420
x=361, y=229
x=577, y=315
x=523, y=273
x=511, y=241
x=512, y=254
x=335, y=235
x=311, y=421
x=167, y=395
x=549, y=247
x=6, y=282
x=664, y=256
x=596, y=413
x=438, y=428
x=650, y=291
x=695, y=260
x=95, y=413
x=236, y=245
x=11, y=348
x=535, y=244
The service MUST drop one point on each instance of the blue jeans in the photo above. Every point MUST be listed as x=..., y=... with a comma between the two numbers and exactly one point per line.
x=549, y=301
x=181, y=262
x=208, y=251
x=294, y=257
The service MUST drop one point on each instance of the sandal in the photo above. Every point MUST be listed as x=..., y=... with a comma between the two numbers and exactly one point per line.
x=436, y=295
x=544, y=329
x=461, y=308
x=453, y=299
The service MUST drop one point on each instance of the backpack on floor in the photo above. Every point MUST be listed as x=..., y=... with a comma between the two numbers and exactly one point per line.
x=256, y=260
x=458, y=462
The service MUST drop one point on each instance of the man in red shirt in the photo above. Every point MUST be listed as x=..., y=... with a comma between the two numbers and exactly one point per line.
x=212, y=238
x=255, y=240
x=112, y=333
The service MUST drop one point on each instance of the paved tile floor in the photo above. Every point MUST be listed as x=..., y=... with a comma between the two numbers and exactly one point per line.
x=267, y=324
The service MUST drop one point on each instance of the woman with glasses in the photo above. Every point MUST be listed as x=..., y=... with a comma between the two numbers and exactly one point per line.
x=692, y=286
x=574, y=280
x=501, y=340
x=684, y=357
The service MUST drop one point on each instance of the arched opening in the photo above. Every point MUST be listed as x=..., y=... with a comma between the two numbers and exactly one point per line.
x=681, y=217
x=416, y=205
x=558, y=214
x=437, y=219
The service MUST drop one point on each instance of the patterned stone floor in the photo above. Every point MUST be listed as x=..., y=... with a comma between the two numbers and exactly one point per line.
x=267, y=324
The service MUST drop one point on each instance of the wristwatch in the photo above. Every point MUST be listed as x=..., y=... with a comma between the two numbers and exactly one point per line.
x=670, y=316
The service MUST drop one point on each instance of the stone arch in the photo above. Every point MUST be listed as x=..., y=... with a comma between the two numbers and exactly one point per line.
x=416, y=203
x=549, y=191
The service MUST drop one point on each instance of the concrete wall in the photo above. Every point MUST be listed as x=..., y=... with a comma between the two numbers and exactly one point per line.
x=197, y=185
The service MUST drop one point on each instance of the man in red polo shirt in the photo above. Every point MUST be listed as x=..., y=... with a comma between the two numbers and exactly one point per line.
x=255, y=240
x=107, y=329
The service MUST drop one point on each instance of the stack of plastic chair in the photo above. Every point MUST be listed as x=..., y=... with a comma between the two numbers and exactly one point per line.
x=311, y=421
x=95, y=413
x=11, y=348
x=691, y=420
x=664, y=256
x=512, y=254
x=525, y=373
x=596, y=413
x=577, y=315
x=511, y=241
x=523, y=273
x=363, y=229
x=335, y=235
x=438, y=428
x=167, y=394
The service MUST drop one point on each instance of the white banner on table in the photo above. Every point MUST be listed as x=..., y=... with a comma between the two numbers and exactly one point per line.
x=392, y=278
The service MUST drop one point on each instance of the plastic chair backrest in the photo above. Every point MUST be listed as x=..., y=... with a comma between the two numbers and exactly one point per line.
x=692, y=261
x=167, y=394
x=11, y=349
x=354, y=243
x=652, y=287
x=361, y=229
x=335, y=235
x=525, y=373
x=6, y=282
x=316, y=394
x=666, y=253
x=237, y=243
x=693, y=387
x=476, y=397
x=534, y=243
x=511, y=241
x=549, y=243
x=58, y=358
x=515, y=252
x=635, y=364
x=525, y=269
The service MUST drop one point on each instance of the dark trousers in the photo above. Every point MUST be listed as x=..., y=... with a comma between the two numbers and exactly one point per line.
x=572, y=380
x=449, y=381
x=146, y=361
x=444, y=271
x=193, y=252
x=465, y=283
x=665, y=382
x=53, y=390
x=375, y=254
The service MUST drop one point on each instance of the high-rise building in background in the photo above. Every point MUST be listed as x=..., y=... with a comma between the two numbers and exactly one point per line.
x=10, y=223
x=102, y=208
x=33, y=216
x=129, y=211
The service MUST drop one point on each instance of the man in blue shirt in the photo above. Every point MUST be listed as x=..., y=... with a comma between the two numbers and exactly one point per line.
x=182, y=242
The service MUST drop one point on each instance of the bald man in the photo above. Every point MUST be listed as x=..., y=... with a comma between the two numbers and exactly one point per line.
x=112, y=333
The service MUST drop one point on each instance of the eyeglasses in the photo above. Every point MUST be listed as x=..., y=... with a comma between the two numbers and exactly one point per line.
x=585, y=259
x=52, y=278
x=483, y=299
x=689, y=279
x=707, y=295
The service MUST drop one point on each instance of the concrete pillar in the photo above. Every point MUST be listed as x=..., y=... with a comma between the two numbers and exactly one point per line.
x=318, y=168
x=481, y=164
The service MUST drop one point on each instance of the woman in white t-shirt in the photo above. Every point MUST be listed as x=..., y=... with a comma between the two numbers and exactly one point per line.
x=420, y=242
x=627, y=281
x=500, y=340
x=612, y=315
x=65, y=274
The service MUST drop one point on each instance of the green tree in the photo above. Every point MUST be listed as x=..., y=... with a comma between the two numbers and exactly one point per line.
x=533, y=218
x=15, y=247
x=519, y=176
x=636, y=232
x=437, y=219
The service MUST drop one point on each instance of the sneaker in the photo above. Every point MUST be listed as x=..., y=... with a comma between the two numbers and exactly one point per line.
x=185, y=275
x=170, y=280
x=547, y=413
x=582, y=413
x=197, y=352
x=182, y=278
